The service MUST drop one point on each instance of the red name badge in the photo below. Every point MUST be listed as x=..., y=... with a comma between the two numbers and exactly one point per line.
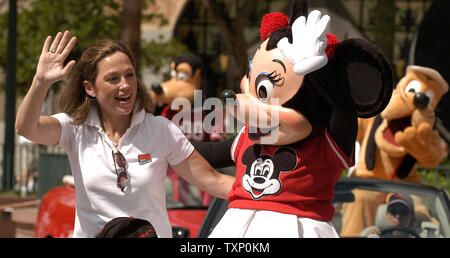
x=144, y=159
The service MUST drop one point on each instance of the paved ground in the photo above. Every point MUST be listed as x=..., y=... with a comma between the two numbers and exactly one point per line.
x=18, y=216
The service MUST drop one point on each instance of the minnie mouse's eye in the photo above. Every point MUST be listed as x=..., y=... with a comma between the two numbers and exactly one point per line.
x=413, y=86
x=264, y=88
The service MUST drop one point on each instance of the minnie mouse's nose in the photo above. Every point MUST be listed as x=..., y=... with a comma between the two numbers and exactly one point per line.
x=228, y=95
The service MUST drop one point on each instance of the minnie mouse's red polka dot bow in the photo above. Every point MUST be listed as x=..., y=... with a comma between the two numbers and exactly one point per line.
x=274, y=21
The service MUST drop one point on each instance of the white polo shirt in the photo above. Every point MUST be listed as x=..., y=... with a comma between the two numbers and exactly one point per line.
x=98, y=199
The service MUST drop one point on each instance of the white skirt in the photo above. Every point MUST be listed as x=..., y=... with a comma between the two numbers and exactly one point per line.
x=243, y=223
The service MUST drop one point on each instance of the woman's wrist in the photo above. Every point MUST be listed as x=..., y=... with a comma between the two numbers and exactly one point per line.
x=41, y=82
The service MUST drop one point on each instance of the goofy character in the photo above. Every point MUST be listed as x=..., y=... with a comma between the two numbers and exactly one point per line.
x=187, y=84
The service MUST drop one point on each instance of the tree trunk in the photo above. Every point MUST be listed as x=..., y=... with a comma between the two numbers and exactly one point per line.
x=233, y=33
x=384, y=13
x=130, y=31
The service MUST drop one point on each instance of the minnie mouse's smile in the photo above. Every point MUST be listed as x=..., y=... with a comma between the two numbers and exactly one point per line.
x=255, y=133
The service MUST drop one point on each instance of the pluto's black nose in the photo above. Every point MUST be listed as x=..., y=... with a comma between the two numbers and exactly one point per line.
x=156, y=87
x=228, y=95
x=421, y=100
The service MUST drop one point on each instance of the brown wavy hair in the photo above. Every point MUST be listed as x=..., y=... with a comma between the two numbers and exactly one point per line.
x=73, y=99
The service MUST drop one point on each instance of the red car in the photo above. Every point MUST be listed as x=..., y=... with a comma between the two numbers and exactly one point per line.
x=56, y=215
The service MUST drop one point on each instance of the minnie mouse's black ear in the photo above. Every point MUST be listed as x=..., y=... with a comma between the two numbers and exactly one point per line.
x=368, y=74
x=298, y=8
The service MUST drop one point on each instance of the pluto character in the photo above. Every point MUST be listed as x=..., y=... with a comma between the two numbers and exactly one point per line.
x=396, y=141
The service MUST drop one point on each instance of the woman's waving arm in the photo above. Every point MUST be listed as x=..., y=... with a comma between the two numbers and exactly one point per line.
x=50, y=69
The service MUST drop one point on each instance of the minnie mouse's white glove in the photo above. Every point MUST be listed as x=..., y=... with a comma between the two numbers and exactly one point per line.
x=307, y=51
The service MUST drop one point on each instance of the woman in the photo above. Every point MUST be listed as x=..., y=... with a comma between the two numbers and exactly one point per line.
x=118, y=151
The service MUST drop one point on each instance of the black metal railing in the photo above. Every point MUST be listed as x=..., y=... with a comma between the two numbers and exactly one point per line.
x=26, y=166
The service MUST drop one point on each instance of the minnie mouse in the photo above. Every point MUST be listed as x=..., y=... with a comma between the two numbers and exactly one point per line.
x=311, y=88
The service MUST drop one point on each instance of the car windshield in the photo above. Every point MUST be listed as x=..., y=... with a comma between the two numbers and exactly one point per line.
x=371, y=198
x=376, y=208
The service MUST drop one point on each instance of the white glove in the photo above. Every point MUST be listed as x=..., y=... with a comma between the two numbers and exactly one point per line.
x=307, y=51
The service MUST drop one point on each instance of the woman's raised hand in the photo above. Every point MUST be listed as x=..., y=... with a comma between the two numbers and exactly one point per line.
x=50, y=68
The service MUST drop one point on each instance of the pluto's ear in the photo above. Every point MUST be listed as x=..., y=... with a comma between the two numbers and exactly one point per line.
x=367, y=72
x=298, y=8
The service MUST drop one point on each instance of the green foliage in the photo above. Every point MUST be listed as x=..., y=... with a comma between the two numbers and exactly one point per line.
x=88, y=20
x=151, y=16
x=156, y=55
x=436, y=178
x=384, y=13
